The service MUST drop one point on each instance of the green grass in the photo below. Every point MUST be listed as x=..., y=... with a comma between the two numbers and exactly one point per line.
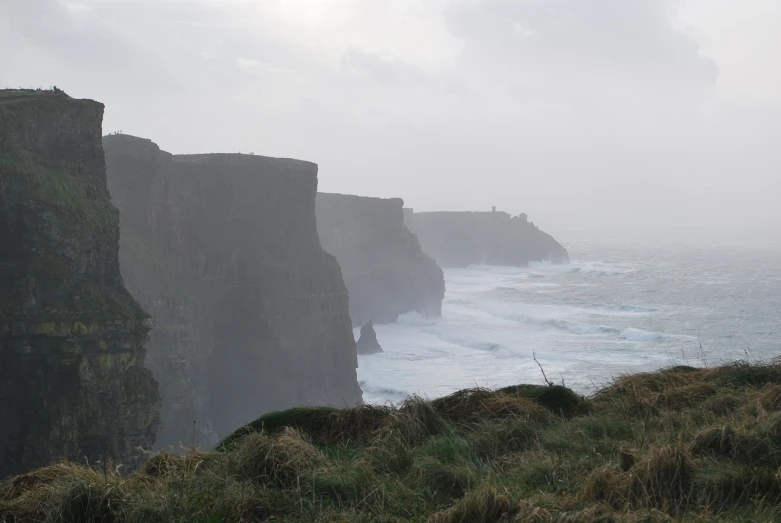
x=647, y=448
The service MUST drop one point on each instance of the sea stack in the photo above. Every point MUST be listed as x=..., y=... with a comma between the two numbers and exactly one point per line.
x=367, y=342
x=72, y=380
x=386, y=272
x=459, y=239
x=250, y=313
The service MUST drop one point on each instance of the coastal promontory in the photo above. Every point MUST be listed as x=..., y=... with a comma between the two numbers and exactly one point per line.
x=386, y=271
x=459, y=239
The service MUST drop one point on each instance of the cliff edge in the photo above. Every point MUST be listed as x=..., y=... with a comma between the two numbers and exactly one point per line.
x=250, y=314
x=459, y=239
x=384, y=268
x=72, y=377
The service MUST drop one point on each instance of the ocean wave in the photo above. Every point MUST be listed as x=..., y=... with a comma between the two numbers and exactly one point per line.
x=583, y=328
x=547, y=267
x=618, y=310
x=603, y=272
x=636, y=308
x=516, y=294
x=459, y=301
x=504, y=290
x=632, y=334
x=549, y=316
x=388, y=393
x=414, y=318
x=487, y=346
x=574, y=328
x=601, y=269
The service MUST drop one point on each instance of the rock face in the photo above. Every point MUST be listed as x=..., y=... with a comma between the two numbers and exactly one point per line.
x=250, y=314
x=367, y=342
x=384, y=268
x=459, y=239
x=72, y=378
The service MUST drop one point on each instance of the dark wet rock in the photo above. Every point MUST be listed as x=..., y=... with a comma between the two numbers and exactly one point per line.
x=367, y=342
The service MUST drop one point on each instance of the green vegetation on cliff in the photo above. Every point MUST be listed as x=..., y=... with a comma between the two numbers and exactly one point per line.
x=62, y=186
x=678, y=444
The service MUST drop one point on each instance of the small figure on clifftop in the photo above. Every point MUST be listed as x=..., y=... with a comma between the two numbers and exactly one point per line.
x=367, y=342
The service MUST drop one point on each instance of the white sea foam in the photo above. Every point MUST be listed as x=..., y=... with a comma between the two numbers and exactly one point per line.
x=414, y=318
x=636, y=308
x=608, y=317
x=632, y=334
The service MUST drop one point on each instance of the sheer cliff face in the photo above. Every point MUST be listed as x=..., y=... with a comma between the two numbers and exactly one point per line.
x=250, y=314
x=384, y=268
x=72, y=380
x=458, y=239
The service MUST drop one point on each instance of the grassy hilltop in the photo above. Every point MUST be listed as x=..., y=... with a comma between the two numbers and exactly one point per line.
x=679, y=444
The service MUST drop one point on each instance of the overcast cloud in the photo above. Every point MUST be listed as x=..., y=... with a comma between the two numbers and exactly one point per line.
x=642, y=118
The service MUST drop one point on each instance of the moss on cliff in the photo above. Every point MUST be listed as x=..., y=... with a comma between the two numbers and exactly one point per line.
x=102, y=306
x=86, y=311
x=61, y=185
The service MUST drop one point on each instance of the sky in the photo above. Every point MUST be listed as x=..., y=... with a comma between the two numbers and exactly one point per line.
x=655, y=119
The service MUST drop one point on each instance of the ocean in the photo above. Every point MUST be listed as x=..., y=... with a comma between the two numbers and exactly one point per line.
x=617, y=308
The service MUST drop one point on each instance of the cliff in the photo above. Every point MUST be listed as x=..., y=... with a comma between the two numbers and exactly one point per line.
x=72, y=380
x=384, y=268
x=458, y=239
x=250, y=314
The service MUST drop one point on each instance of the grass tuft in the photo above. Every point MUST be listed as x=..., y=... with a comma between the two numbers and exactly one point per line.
x=280, y=460
x=660, y=479
x=484, y=505
x=558, y=399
